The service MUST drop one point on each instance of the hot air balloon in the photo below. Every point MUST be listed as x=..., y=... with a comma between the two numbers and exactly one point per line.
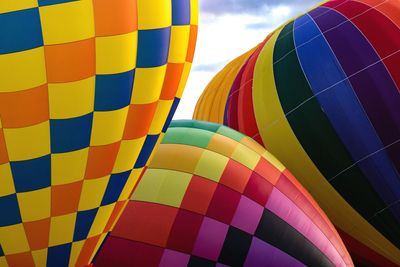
x=214, y=197
x=86, y=90
x=322, y=94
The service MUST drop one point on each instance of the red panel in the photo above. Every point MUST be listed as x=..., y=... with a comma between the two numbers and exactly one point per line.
x=258, y=189
x=236, y=176
x=184, y=231
x=246, y=117
x=362, y=253
x=224, y=204
x=152, y=223
x=122, y=253
x=198, y=195
x=377, y=28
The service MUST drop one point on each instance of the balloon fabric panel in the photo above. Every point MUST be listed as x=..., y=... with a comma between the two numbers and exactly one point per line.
x=212, y=195
x=325, y=97
x=87, y=90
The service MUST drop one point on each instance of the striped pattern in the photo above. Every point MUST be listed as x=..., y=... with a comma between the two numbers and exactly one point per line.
x=87, y=89
x=323, y=96
x=214, y=197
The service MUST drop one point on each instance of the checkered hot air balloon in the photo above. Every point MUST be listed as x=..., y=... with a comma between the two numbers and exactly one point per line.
x=87, y=89
x=214, y=197
x=322, y=94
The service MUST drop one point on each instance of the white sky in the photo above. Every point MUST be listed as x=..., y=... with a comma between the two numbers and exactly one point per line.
x=225, y=35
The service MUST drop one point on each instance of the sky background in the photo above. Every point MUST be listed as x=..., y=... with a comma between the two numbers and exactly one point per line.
x=228, y=28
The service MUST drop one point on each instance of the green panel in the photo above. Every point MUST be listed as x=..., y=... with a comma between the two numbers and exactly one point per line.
x=204, y=125
x=228, y=132
x=188, y=136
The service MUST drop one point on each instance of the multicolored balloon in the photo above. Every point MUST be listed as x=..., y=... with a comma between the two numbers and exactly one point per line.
x=322, y=94
x=214, y=197
x=86, y=90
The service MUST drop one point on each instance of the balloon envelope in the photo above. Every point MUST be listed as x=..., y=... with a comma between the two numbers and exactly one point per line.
x=322, y=94
x=87, y=89
x=214, y=197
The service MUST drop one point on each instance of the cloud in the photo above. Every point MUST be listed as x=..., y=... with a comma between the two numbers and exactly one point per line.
x=208, y=67
x=258, y=7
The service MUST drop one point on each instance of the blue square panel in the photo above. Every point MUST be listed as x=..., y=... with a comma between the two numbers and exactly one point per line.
x=114, y=187
x=84, y=221
x=59, y=255
x=20, y=30
x=180, y=12
x=147, y=149
x=171, y=114
x=54, y=2
x=31, y=174
x=71, y=134
x=10, y=211
x=153, y=47
x=113, y=91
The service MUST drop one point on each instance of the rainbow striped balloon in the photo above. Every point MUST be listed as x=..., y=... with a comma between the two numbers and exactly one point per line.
x=214, y=197
x=87, y=89
x=322, y=94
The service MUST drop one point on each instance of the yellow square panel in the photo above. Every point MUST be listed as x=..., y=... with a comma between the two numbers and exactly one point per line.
x=22, y=70
x=184, y=78
x=108, y=127
x=149, y=187
x=130, y=184
x=35, y=205
x=6, y=180
x=194, y=12
x=116, y=54
x=211, y=165
x=68, y=22
x=154, y=14
x=101, y=220
x=163, y=186
x=40, y=257
x=92, y=193
x=12, y=5
x=246, y=156
x=179, y=44
x=3, y=261
x=128, y=153
x=68, y=167
x=13, y=239
x=75, y=251
x=28, y=142
x=62, y=229
x=148, y=84
x=160, y=116
x=70, y=100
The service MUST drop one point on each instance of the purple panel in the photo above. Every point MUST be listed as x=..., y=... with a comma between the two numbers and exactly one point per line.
x=210, y=239
x=247, y=215
x=174, y=258
x=369, y=77
x=263, y=254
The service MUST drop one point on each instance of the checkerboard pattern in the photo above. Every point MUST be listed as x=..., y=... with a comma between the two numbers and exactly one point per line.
x=214, y=197
x=87, y=89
